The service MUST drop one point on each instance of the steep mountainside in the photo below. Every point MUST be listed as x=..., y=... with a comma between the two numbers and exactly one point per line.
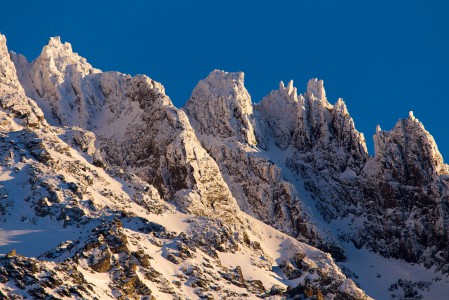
x=116, y=198
x=116, y=193
x=396, y=202
x=135, y=124
x=221, y=101
x=12, y=95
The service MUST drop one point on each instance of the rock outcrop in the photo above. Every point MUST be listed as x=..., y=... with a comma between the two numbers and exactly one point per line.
x=405, y=187
x=257, y=183
x=136, y=126
x=12, y=95
x=221, y=107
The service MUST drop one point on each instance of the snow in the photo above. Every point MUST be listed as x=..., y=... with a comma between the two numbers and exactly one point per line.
x=176, y=221
x=101, y=281
x=249, y=270
x=376, y=274
x=6, y=175
x=230, y=117
x=31, y=240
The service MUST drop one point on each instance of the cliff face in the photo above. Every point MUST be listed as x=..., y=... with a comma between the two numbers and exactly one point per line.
x=218, y=154
x=137, y=127
x=399, y=195
x=408, y=154
x=406, y=191
x=221, y=107
x=321, y=145
x=222, y=114
x=12, y=95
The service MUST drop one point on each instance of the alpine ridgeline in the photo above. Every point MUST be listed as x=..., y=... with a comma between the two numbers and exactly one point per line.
x=118, y=194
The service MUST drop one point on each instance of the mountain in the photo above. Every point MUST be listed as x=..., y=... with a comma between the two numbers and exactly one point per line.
x=108, y=191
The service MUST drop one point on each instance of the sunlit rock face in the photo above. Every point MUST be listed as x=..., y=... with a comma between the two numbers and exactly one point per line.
x=222, y=114
x=221, y=106
x=136, y=126
x=12, y=95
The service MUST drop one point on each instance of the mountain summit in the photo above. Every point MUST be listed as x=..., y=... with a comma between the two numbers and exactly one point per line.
x=108, y=191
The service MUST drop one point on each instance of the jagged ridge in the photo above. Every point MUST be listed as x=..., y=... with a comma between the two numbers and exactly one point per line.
x=221, y=154
x=165, y=170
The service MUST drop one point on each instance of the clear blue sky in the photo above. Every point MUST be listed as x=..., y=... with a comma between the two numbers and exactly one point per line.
x=383, y=58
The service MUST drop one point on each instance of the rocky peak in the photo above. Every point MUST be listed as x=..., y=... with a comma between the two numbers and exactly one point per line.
x=56, y=80
x=3, y=48
x=315, y=89
x=61, y=53
x=7, y=70
x=58, y=65
x=340, y=107
x=58, y=56
x=345, y=133
x=12, y=95
x=8, y=74
x=289, y=90
x=315, y=119
x=328, y=126
x=55, y=42
x=137, y=128
x=408, y=153
x=311, y=124
x=378, y=129
x=280, y=113
x=221, y=106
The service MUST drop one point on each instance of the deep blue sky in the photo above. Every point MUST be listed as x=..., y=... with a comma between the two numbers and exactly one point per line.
x=383, y=58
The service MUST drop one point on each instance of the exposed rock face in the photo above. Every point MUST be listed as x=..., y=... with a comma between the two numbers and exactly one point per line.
x=405, y=181
x=406, y=190
x=117, y=254
x=408, y=154
x=136, y=126
x=322, y=133
x=255, y=181
x=58, y=74
x=41, y=280
x=281, y=112
x=12, y=95
x=321, y=146
x=230, y=116
x=321, y=140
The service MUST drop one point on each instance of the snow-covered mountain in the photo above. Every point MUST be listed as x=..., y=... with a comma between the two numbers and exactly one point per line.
x=109, y=191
